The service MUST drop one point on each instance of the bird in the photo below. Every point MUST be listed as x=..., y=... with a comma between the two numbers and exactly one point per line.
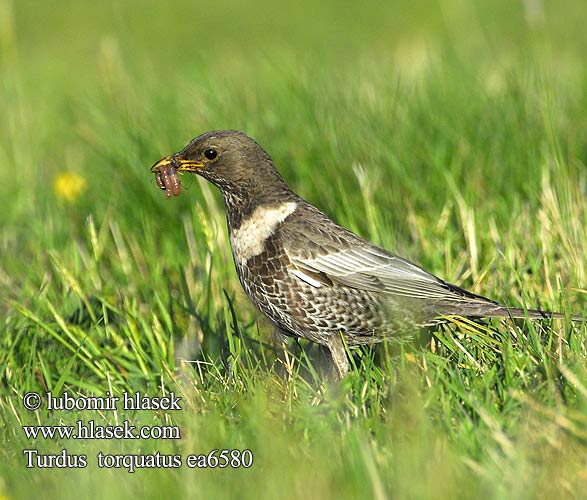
x=311, y=277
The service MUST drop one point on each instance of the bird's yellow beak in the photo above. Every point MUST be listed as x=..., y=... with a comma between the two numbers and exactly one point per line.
x=180, y=164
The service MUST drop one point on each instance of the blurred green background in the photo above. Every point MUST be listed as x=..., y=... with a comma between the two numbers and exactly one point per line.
x=103, y=89
x=451, y=132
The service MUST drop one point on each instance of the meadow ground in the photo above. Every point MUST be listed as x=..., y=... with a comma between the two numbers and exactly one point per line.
x=453, y=134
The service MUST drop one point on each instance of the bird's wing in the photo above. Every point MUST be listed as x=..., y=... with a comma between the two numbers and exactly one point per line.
x=336, y=255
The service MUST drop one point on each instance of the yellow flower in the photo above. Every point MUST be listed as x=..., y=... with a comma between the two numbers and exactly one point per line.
x=69, y=186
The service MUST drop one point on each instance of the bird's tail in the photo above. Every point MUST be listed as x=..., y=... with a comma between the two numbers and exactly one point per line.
x=480, y=307
x=519, y=313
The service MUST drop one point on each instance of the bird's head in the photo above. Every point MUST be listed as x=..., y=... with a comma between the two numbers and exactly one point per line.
x=228, y=158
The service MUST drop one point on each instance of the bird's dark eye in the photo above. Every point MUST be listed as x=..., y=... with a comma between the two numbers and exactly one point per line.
x=210, y=154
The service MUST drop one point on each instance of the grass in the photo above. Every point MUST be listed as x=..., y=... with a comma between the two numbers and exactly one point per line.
x=454, y=135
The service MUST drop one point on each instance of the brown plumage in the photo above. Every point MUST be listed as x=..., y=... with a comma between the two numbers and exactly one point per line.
x=311, y=277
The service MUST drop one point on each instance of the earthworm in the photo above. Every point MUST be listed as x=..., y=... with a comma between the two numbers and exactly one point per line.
x=168, y=180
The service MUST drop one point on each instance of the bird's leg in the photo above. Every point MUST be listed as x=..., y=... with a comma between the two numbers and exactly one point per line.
x=288, y=361
x=338, y=353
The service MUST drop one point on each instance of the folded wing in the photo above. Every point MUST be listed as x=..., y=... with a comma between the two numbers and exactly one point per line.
x=367, y=267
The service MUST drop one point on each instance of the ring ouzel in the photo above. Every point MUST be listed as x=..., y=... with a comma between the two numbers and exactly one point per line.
x=311, y=277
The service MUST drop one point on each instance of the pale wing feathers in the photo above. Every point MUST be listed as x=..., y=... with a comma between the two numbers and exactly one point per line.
x=374, y=269
x=308, y=279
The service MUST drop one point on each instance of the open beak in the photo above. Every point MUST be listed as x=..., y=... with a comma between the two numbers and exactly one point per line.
x=180, y=164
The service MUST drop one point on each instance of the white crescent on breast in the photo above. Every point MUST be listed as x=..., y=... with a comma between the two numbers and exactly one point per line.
x=249, y=239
